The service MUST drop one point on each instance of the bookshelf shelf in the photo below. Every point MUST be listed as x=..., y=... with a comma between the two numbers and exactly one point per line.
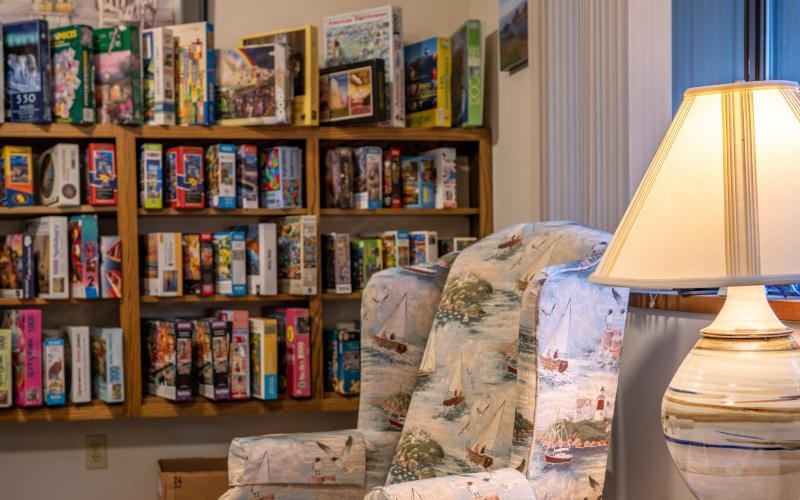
x=399, y=212
x=8, y=301
x=314, y=141
x=36, y=211
x=210, y=212
x=283, y=297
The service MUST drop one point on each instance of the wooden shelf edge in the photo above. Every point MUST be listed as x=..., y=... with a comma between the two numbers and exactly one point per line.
x=341, y=296
x=36, y=210
x=785, y=309
x=96, y=410
x=283, y=297
x=57, y=130
x=155, y=407
x=210, y=212
x=43, y=302
x=399, y=212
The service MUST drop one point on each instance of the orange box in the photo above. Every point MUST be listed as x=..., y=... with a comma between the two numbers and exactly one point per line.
x=192, y=478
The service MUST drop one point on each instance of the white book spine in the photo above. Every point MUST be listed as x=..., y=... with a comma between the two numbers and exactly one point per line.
x=81, y=386
x=267, y=252
x=444, y=160
x=398, y=71
x=169, y=256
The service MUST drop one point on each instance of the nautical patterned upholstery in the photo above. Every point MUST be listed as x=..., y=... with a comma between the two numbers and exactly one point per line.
x=397, y=311
x=501, y=484
x=462, y=411
x=566, y=402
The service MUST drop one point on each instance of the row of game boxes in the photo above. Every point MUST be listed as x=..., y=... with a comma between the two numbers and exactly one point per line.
x=54, y=366
x=342, y=352
x=230, y=356
x=254, y=259
x=223, y=176
x=58, y=257
x=57, y=177
x=369, y=177
x=349, y=263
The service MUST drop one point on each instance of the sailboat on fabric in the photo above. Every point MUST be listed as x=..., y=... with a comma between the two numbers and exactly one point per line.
x=556, y=444
x=480, y=451
x=428, y=365
x=544, y=259
x=455, y=393
x=554, y=359
x=393, y=329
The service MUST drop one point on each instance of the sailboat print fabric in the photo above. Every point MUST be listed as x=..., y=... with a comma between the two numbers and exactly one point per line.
x=397, y=310
x=501, y=484
x=571, y=334
x=461, y=415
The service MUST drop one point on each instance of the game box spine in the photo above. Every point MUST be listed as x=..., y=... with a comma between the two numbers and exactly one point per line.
x=392, y=181
x=110, y=267
x=53, y=375
x=239, y=322
x=264, y=358
x=368, y=184
x=298, y=353
x=118, y=75
x=221, y=176
x=183, y=360
x=18, y=175
x=191, y=263
x=261, y=243
x=51, y=250
x=28, y=91
x=195, y=73
x=151, y=176
x=84, y=256
x=207, y=265
x=80, y=390
x=444, y=165
x=73, y=74
x=27, y=352
x=186, y=187
x=6, y=383
x=60, y=176
x=101, y=174
x=247, y=176
x=158, y=76
x=336, y=252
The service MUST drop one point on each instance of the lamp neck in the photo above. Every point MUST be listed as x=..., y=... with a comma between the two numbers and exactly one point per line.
x=746, y=314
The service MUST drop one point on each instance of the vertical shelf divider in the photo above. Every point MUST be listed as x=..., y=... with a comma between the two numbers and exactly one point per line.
x=485, y=216
x=313, y=167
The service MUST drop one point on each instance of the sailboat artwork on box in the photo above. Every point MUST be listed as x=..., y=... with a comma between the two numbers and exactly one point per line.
x=555, y=357
x=391, y=333
x=480, y=452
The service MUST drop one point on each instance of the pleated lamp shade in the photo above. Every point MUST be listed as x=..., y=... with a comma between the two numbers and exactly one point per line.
x=720, y=203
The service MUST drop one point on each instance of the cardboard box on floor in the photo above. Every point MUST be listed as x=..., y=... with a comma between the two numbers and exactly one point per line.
x=192, y=478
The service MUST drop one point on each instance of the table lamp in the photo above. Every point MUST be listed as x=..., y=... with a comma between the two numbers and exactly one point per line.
x=716, y=208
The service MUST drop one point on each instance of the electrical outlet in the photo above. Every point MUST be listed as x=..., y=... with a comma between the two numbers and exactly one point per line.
x=96, y=457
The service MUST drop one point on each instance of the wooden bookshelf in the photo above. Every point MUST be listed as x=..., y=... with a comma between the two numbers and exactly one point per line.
x=314, y=141
x=37, y=301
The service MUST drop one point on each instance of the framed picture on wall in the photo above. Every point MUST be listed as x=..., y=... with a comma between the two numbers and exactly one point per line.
x=96, y=13
x=513, y=34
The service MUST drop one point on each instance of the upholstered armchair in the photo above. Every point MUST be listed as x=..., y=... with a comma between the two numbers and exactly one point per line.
x=512, y=398
x=516, y=392
x=397, y=310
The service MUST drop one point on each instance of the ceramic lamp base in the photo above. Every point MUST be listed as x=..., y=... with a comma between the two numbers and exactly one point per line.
x=731, y=414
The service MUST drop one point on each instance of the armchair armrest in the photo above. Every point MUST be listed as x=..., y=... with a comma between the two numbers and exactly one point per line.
x=337, y=457
x=502, y=484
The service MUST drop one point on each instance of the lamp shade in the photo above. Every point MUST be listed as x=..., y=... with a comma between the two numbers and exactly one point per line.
x=720, y=203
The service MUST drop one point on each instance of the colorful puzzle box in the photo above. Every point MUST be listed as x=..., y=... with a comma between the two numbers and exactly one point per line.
x=185, y=188
x=118, y=87
x=28, y=91
x=73, y=74
x=195, y=73
x=353, y=93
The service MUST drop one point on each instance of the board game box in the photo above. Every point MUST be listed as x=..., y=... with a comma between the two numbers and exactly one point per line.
x=264, y=358
x=366, y=257
x=254, y=85
x=73, y=74
x=343, y=361
x=303, y=66
x=371, y=34
x=230, y=262
x=396, y=248
x=17, y=175
x=444, y=165
x=239, y=322
x=262, y=270
x=336, y=256
x=6, y=383
x=50, y=250
x=353, y=93
x=60, y=176
x=192, y=274
x=54, y=378
x=101, y=174
x=208, y=281
x=151, y=176
x=195, y=73
x=108, y=371
x=210, y=343
x=281, y=183
x=163, y=265
x=419, y=182
x=297, y=255
x=424, y=247
x=110, y=267
x=247, y=176
x=28, y=91
x=185, y=188
x=221, y=176
x=84, y=257
x=79, y=364
x=339, y=178
x=26, y=339
x=462, y=242
x=168, y=344
x=467, y=80
x=2, y=79
x=428, y=67
x=118, y=77
x=392, y=181
x=368, y=178
x=158, y=76
x=295, y=325
x=12, y=266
